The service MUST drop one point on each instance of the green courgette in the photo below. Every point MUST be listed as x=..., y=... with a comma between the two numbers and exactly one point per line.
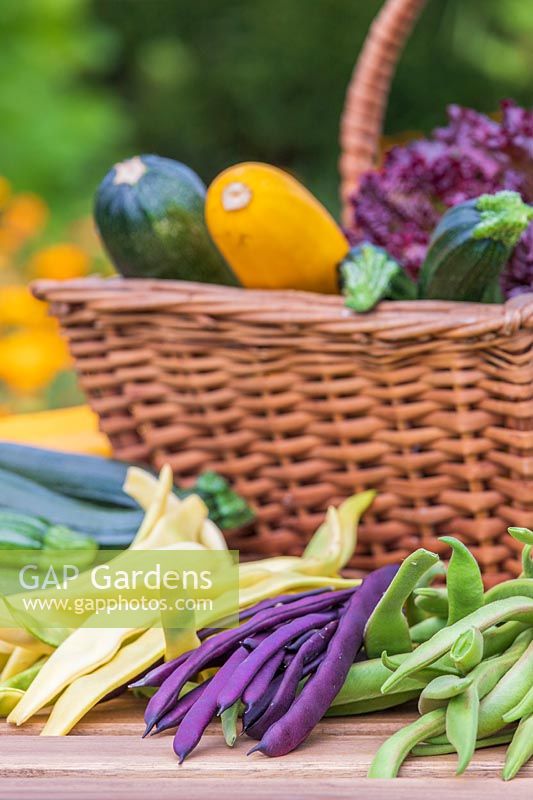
x=91, y=478
x=149, y=212
x=32, y=526
x=108, y=526
x=20, y=533
x=15, y=540
x=85, y=494
x=470, y=246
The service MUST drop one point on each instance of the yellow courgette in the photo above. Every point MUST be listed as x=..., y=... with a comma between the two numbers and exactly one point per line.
x=272, y=231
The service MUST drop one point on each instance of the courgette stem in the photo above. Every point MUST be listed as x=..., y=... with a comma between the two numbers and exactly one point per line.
x=503, y=217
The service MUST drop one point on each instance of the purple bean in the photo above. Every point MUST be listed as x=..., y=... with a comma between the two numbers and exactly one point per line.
x=242, y=676
x=311, y=666
x=223, y=643
x=292, y=647
x=322, y=687
x=270, y=602
x=156, y=675
x=125, y=686
x=174, y=716
x=251, y=642
x=160, y=673
x=252, y=714
x=202, y=712
x=262, y=679
x=284, y=697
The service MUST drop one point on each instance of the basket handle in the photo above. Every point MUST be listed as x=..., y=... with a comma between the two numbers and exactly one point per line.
x=367, y=94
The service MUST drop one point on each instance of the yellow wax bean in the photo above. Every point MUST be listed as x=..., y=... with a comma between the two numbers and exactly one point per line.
x=251, y=577
x=212, y=537
x=84, y=650
x=290, y=581
x=84, y=692
x=157, y=507
x=6, y=648
x=349, y=513
x=9, y=698
x=17, y=637
x=323, y=566
x=21, y=658
x=178, y=641
x=143, y=487
x=182, y=524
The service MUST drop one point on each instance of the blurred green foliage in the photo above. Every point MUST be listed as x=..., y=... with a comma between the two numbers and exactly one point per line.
x=211, y=82
x=59, y=123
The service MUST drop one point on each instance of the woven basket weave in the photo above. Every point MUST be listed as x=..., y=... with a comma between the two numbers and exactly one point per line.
x=300, y=402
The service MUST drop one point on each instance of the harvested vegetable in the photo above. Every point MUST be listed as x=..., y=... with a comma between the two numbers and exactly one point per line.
x=335, y=621
x=272, y=231
x=21, y=532
x=494, y=655
x=150, y=214
x=87, y=493
x=470, y=247
x=368, y=274
x=175, y=523
x=320, y=690
x=399, y=205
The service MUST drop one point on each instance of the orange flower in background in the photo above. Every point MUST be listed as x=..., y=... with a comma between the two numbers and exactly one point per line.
x=5, y=191
x=25, y=215
x=60, y=262
x=19, y=307
x=32, y=352
x=29, y=360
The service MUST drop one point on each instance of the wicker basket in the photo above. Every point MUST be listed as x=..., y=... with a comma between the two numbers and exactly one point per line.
x=300, y=403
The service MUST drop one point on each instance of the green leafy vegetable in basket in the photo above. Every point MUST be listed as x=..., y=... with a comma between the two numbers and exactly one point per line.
x=368, y=274
x=226, y=508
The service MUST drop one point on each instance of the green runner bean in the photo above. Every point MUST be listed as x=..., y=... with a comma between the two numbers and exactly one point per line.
x=229, y=719
x=513, y=608
x=413, y=613
x=432, y=600
x=520, y=750
x=462, y=716
x=506, y=694
x=522, y=709
x=364, y=681
x=447, y=747
x=387, y=628
x=467, y=650
x=440, y=690
x=527, y=561
x=499, y=638
x=424, y=630
x=523, y=535
x=519, y=587
x=391, y=754
x=371, y=704
x=463, y=582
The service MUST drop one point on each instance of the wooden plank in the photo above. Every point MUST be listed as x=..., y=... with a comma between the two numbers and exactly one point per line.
x=177, y=788
x=107, y=758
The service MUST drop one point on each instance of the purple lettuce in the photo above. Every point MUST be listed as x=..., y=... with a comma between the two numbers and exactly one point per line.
x=398, y=206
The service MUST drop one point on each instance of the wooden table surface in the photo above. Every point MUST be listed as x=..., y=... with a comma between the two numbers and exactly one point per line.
x=105, y=758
